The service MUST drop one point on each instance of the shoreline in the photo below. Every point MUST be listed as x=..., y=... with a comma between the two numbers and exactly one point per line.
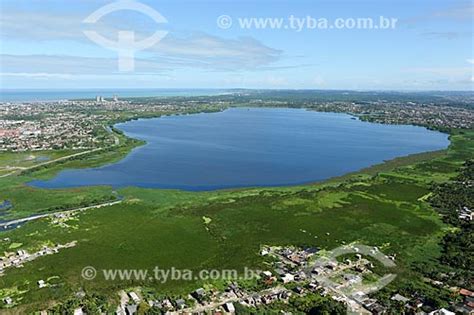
x=371, y=170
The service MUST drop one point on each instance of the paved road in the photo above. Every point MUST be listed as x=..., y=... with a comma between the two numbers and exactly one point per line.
x=39, y=216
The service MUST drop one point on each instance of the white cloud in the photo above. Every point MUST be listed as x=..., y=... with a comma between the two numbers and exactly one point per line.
x=212, y=52
x=176, y=50
x=70, y=65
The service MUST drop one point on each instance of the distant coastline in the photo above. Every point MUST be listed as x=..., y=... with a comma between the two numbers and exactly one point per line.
x=41, y=95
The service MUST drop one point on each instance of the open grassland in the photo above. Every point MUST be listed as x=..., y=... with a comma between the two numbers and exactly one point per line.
x=383, y=206
x=27, y=200
x=11, y=162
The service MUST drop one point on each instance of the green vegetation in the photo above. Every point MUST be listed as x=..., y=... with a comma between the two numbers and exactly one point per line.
x=451, y=199
x=310, y=304
x=385, y=206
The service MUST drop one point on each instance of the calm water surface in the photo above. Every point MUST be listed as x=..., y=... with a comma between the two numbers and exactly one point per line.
x=250, y=147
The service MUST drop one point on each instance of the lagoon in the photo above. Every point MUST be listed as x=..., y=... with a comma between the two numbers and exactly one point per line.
x=250, y=147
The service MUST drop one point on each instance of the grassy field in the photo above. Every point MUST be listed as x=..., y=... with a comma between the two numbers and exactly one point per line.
x=27, y=200
x=382, y=206
x=15, y=161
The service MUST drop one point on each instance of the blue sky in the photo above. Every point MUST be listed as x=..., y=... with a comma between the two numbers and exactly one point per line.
x=431, y=47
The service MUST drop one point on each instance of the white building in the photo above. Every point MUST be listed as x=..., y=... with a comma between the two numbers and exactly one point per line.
x=134, y=297
x=229, y=307
x=442, y=311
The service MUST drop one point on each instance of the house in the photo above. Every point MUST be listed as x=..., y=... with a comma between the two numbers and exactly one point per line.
x=311, y=251
x=360, y=296
x=313, y=285
x=267, y=299
x=467, y=306
x=131, y=309
x=79, y=311
x=399, y=298
x=249, y=301
x=331, y=265
x=295, y=258
x=442, y=311
x=199, y=294
x=233, y=287
x=285, y=295
x=366, y=302
x=317, y=271
x=466, y=214
x=376, y=308
x=267, y=274
x=301, y=276
x=418, y=303
x=465, y=292
x=180, y=304
x=298, y=290
x=41, y=284
x=257, y=299
x=8, y=300
x=288, y=278
x=166, y=304
x=120, y=310
x=464, y=309
x=351, y=279
x=134, y=297
x=229, y=307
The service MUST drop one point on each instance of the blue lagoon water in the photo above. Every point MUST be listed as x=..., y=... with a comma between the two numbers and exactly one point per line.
x=250, y=147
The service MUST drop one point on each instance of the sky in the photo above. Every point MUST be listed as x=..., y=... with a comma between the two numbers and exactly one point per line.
x=430, y=46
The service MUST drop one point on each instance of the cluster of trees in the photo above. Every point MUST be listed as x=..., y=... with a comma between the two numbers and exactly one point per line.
x=90, y=304
x=454, y=266
x=81, y=204
x=308, y=304
x=450, y=199
x=316, y=304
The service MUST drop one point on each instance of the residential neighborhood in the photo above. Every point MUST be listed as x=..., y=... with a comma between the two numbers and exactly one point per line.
x=294, y=273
